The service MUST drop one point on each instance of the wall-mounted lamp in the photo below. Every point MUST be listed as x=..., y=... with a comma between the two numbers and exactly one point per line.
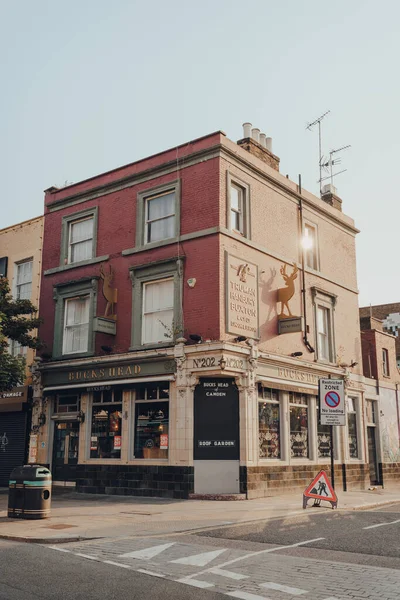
x=240, y=338
x=353, y=364
x=106, y=349
x=42, y=420
x=296, y=354
x=222, y=363
x=196, y=338
x=81, y=416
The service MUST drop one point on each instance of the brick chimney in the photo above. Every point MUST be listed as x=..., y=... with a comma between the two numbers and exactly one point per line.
x=259, y=145
x=329, y=195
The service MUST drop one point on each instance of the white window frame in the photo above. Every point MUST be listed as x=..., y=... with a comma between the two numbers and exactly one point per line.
x=322, y=299
x=145, y=285
x=19, y=285
x=66, y=301
x=148, y=221
x=17, y=350
x=314, y=250
x=244, y=205
x=385, y=362
x=71, y=244
x=310, y=432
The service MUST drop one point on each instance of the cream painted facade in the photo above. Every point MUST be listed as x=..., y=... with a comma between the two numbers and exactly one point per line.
x=22, y=243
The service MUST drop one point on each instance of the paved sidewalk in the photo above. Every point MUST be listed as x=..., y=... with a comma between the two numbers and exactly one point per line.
x=86, y=516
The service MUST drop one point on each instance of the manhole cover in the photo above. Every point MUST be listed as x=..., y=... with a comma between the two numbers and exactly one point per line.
x=60, y=526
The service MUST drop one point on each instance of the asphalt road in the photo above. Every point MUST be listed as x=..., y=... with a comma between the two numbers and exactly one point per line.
x=32, y=572
x=364, y=537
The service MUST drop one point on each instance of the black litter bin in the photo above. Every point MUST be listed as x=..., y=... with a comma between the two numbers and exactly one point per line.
x=29, y=492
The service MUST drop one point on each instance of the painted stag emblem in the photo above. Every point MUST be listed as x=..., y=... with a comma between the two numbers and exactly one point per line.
x=109, y=293
x=286, y=293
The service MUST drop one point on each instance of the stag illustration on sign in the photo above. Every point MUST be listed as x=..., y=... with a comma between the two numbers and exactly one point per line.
x=109, y=293
x=286, y=293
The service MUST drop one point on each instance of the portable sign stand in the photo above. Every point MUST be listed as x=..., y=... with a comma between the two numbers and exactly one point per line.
x=332, y=409
x=320, y=489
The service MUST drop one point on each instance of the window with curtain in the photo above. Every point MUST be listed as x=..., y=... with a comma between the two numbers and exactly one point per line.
x=160, y=217
x=269, y=423
x=76, y=325
x=80, y=240
x=24, y=280
x=17, y=349
x=158, y=311
x=323, y=333
x=237, y=209
x=298, y=408
x=323, y=438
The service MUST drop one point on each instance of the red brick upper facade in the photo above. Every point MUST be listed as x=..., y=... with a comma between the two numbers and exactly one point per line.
x=207, y=176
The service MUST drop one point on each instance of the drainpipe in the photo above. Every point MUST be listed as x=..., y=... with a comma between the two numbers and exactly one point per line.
x=303, y=276
x=398, y=411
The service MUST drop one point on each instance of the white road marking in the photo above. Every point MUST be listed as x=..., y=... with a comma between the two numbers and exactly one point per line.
x=270, y=585
x=196, y=583
x=246, y=596
x=147, y=553
x=331, y=598
x=381, y=524
x=229, y=574
x=152, y=573
x=111, y=562
x=87, y=556
x=199, y=560
x=59, y=549
x=251, y=554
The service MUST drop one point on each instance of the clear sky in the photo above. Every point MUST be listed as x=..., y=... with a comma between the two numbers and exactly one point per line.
x=89, y=85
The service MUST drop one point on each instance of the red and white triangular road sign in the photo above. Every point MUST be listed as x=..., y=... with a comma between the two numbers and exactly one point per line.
x=321, y=489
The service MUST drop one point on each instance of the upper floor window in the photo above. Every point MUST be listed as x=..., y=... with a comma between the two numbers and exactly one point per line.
x=158, y=311
x=238, y=214
x=23, y=286
x=80, y=240
x=385, y=362
x=324, y=304
x=160, y=217
x=17, y=350
x=323, y=333
x=79, y=237
x=76, y=325
x=310, y=246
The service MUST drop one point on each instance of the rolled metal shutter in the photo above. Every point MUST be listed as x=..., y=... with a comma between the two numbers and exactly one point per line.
x=13, y=439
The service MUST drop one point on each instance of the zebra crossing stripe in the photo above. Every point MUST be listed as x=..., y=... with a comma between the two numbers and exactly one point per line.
x=270, y=585
x=228, y=574
x=196, y=583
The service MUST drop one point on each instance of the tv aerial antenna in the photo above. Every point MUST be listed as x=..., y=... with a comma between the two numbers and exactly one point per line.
x=309, y=127
x=328, y=164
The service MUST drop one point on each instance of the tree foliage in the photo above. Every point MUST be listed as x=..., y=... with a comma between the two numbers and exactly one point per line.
x=18, y=318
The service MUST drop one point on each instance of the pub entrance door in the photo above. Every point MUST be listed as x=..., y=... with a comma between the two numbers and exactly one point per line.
x=216, y=437
x=65, y=450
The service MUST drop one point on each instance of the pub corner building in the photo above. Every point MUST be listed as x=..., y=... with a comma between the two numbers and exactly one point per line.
x=187, y=326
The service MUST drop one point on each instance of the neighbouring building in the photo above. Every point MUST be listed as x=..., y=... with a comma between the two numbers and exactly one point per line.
x=20, y=262
x=389, y=314
x=191, y=302
x=382, y=383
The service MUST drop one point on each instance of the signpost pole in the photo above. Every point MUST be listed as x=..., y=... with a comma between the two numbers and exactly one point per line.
x=332, y=460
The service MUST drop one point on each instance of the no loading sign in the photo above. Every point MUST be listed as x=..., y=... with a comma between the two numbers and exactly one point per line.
x=332, y=402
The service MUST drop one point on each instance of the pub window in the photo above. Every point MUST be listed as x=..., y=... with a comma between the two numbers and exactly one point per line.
x=106, y=434
x=269, y=437
x=298, y=407
x=352, y=427
x=66, y=404
x=152, y=421
x=323, y=438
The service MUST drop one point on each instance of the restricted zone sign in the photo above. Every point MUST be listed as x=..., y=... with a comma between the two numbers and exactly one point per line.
x=332, y=402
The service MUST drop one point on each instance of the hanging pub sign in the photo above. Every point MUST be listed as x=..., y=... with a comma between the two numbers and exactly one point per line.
x=216, y=420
